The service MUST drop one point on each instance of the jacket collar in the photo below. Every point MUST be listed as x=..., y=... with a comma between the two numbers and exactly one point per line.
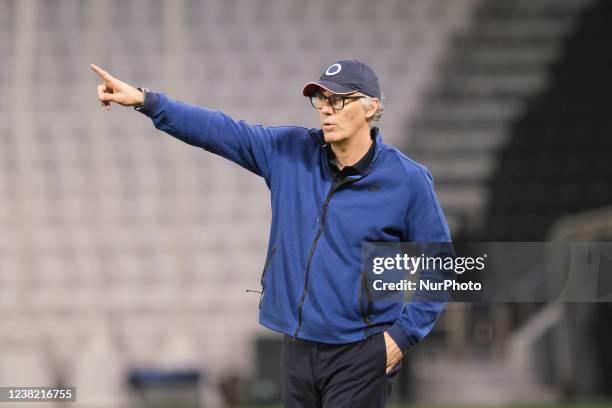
x=317, y=136
x=361, y=167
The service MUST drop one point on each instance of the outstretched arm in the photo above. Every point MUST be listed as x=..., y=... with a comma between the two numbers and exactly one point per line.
x=114, y=90
x=252, y=147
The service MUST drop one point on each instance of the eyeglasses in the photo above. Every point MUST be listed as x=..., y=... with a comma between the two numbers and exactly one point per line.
x=337, y=102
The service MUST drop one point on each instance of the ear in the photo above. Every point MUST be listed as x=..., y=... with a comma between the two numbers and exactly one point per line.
x=371, y=110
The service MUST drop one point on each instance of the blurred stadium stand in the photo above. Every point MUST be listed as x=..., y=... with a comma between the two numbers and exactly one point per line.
x=517, y=135
x=557, y=159
x=122, y=248
x=484, y=84
x=113, y=230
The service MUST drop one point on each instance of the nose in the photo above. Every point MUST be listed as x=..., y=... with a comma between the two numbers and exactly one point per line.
x=326, y=109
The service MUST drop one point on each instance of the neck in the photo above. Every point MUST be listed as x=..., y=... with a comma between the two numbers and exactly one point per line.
x=351, y=150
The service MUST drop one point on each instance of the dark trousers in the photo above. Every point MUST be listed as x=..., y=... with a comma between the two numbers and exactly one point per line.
x=317, y=375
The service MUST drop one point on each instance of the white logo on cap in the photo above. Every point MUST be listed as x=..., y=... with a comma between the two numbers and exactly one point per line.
x=333, y=70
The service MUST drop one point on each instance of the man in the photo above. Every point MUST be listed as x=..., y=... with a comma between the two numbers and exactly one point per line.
x=331, y=190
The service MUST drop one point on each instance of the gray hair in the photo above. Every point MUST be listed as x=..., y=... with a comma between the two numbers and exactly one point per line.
x=367, y=102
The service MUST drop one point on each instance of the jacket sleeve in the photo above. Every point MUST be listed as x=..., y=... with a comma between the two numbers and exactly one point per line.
x=425, y=225
x=251, y=146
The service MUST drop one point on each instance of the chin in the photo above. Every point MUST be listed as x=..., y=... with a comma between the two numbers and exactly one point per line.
x=332, y=137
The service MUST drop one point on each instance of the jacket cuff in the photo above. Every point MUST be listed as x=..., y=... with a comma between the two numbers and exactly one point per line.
x=398, y=335
x=151, y=101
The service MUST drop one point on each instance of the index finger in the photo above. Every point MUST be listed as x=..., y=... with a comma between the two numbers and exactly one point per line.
x=103, y=74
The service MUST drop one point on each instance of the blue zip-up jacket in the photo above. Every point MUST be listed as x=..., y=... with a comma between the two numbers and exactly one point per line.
x=311, y=283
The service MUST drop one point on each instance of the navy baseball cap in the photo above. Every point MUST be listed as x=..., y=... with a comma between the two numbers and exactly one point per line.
x=345, y=77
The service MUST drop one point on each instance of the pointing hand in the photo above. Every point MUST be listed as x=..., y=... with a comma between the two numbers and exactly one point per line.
x=114, y=90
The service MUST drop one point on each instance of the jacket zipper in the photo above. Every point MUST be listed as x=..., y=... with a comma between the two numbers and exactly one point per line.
x=323, y=218
x=365, y=312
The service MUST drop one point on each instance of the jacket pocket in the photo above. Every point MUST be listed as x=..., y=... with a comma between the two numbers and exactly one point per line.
x=263, y=273
x=365, y=299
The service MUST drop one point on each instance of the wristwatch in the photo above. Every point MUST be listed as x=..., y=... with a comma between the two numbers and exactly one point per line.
x=145, y=91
